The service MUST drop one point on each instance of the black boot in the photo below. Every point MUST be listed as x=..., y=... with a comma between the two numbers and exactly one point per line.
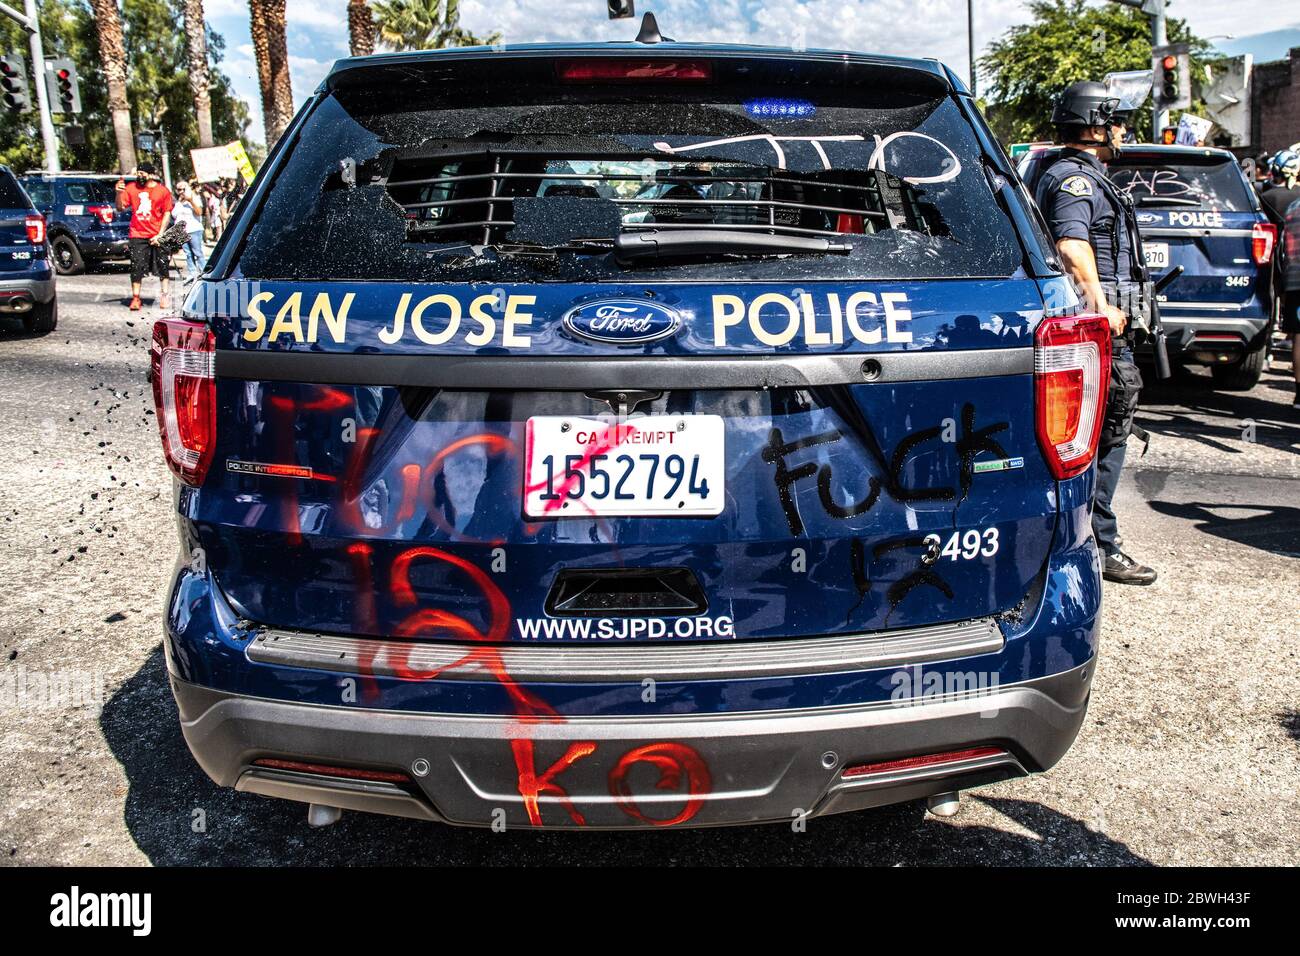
x=1122, y=569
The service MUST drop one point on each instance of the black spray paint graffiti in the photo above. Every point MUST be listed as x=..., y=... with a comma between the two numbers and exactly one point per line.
x=925, y=573
x=775, y=452
x=971, y=443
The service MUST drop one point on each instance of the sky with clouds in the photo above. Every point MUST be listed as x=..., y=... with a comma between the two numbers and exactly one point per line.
x=318, y=28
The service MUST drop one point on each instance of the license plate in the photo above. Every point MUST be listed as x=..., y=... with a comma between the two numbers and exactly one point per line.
x=648, y=467
x=1157, y=254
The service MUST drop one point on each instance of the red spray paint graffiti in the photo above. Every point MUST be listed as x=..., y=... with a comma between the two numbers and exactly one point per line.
x=673, y=760
x=677, y=763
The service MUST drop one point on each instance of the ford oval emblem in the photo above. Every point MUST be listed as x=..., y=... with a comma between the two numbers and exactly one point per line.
x=1147, y=218
x=622, y=321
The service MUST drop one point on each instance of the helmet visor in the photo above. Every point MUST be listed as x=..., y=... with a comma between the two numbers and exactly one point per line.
x=1113, y=111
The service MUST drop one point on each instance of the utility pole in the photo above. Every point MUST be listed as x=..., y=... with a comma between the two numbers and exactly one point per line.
x=29, y=22
x=970, y=42
x=1155, y=9
x=166, y=160
x=1159, y=117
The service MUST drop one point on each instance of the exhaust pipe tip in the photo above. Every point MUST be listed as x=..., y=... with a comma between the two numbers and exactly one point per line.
x=320, y=815
x=944, y=804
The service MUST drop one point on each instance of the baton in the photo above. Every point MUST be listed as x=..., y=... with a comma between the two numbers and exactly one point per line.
x=1159, y=346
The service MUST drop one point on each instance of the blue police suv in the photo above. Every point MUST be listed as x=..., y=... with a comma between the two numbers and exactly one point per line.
x=631, y=435
x=26, y=279
x=86, y=227
x=1195, y=209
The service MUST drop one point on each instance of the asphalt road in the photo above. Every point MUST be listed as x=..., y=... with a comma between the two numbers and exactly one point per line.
x=1190, y=753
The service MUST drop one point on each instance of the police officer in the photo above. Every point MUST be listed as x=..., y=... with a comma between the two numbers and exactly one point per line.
x=1096, y=235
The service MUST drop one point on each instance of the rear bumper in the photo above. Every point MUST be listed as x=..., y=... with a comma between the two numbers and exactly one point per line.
x=104, y=247
x=17, y=295
x=1247, y=320
x=1203, y=335
x=616, y=772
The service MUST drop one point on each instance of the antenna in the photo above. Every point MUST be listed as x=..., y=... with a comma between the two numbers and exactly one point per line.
x=650, y=31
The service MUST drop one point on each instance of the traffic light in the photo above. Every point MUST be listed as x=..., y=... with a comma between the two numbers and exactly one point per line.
x=1171, y=82
x=1169, y=135
x=1168, y=78
x=620, y=9
x=65, y=89
x=13, y=84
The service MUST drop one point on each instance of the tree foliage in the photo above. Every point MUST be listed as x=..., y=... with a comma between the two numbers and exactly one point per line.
x=157, y=83
x=423, y=25
x=1066, y=41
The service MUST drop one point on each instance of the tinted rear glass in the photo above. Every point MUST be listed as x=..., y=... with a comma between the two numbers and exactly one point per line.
x=1214, y=184
x=92, y=191
x=457, y=177
x=42, y=194
x=11, y=194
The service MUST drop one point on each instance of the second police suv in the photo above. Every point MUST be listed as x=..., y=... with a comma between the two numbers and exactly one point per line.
x=1196, y=211
x=634, y=434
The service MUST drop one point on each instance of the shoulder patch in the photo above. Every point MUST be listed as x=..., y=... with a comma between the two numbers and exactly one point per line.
x=1077, y=186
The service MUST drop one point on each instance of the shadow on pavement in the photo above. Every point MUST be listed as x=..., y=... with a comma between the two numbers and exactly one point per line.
x=12, y=329
x=1187, y=406
x=167, y=787
x=1290, y=721
x=1276, y=528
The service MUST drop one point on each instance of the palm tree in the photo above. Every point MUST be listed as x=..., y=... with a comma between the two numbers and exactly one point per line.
x=196, y=54
x=271, y=51
x=423, y=25
x=112, y=61
x=361, y=28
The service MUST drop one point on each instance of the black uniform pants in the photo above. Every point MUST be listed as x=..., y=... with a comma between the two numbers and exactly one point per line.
x=1110, y=462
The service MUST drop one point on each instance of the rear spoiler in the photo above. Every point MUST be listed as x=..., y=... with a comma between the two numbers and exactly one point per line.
x=366, y=70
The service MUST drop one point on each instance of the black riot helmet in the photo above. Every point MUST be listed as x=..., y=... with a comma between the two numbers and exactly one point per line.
x=1089, y=103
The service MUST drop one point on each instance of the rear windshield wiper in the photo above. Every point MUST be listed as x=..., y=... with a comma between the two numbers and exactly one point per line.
x=1165, y=201
x=675, y=243
x=526, y=249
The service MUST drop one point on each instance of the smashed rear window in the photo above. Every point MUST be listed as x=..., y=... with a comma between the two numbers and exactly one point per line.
x=500, y=170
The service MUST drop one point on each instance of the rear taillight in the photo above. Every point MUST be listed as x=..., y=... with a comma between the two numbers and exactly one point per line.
x=1071, y=375
x=184, y=394
x=650, y=70
x=103, y=213
x=36, y=230
x=1262, y=239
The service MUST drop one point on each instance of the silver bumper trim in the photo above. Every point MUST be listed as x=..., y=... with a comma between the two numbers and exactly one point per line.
x=591, y=662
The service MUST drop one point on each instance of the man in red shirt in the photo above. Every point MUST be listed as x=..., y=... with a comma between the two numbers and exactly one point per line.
x=150, y=203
